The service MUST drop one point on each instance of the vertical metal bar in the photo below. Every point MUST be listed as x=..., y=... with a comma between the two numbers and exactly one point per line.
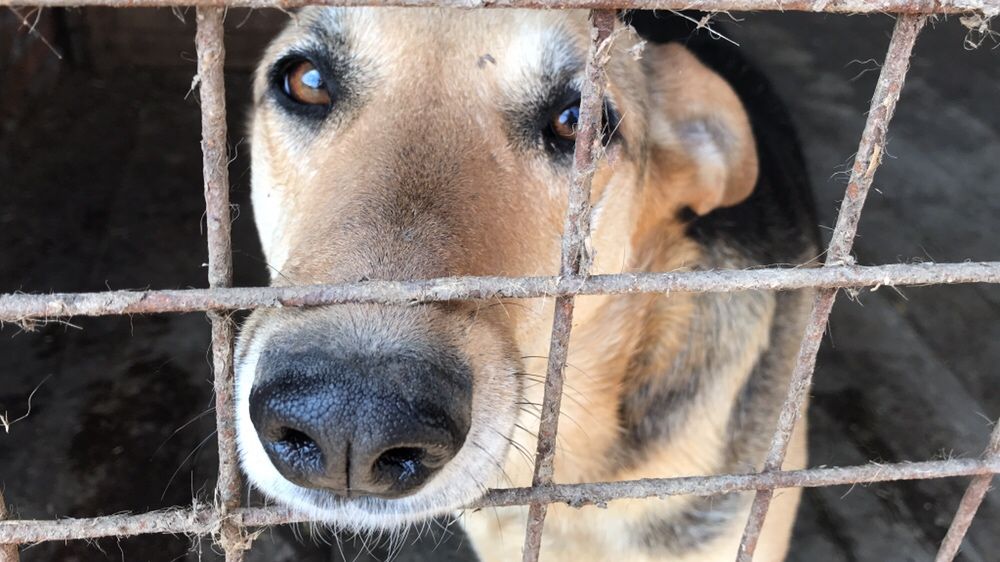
x=970, y=503
x=8, y=552
x=211, y=59
x=574, y=261
x=869, y=156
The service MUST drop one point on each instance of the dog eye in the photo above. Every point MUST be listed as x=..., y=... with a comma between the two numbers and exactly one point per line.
x=560, y=133
x=304, y=84
x=563, y=124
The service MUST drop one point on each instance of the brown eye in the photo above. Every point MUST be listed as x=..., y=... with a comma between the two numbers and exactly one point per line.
x=564, y=124
x=304, y=84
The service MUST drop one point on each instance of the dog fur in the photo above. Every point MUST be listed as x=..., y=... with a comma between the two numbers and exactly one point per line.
x=428, y=165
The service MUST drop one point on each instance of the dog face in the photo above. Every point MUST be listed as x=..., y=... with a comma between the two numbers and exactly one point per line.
x=408, y=144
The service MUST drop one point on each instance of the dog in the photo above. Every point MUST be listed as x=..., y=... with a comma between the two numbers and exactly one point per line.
x=399, y=144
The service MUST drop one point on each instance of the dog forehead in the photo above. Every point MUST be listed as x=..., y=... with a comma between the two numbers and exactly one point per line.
x=514, y=45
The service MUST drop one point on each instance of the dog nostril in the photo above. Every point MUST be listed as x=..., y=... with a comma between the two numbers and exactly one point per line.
x=295, y=438
x=402, y=463
x=296, y=445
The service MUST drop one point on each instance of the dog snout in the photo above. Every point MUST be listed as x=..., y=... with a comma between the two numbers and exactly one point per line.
x=378, y=426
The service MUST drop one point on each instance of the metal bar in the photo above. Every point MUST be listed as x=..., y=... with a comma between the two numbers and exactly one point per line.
x=206, y=521
x=574, y=261
x=970, y=503
x=988, y=7
x=215, y=154
x=8, y=552
x=801, y=380
x=27, y=307
x=199, y=522
x=869, y=156
x=211, y=59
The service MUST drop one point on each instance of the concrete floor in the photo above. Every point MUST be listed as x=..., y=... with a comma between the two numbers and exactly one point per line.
x=121, y=414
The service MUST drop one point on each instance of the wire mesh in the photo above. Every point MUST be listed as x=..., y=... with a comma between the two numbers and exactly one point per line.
x=866, y=162
x=971, y=500
x=226, y=520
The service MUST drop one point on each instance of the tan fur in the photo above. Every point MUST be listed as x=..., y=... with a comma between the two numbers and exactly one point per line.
x=594, y=534
x=691, y=96
x=422, y=182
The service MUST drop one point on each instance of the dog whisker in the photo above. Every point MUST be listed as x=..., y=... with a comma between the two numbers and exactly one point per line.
x=183, y=462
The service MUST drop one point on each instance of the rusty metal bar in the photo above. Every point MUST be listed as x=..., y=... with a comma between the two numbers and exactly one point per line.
x=869, y=156
x=574, y=261
x=970, y=503
x=207, y=520
x=26, y=307
x=8, y=552
x=211, y=58
x=988, y=7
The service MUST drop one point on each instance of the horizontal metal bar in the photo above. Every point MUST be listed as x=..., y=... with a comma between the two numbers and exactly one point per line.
x=205, y=521
x=19, y=307
x=579, y=495
x=828, y=6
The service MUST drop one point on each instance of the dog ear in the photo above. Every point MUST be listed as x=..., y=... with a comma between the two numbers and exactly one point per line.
x=703, y=151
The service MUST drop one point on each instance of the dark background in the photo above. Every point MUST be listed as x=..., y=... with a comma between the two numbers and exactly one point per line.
x=100, y=187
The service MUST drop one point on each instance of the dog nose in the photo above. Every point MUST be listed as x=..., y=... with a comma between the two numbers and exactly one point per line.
x=365, y=426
